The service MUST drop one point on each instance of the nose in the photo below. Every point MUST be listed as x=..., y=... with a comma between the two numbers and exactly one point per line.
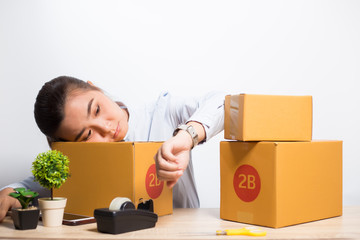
x=103, y=127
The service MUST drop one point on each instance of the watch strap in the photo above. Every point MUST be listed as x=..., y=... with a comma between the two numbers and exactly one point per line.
x=189, y=129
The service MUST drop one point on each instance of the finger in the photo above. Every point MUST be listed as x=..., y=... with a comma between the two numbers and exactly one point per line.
x=2, y=216
x=166, y=153
x=163, y=164
x=3, y=212
x=169, y=176
x=171, y=184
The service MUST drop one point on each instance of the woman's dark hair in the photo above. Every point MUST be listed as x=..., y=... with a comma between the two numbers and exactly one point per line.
x=49, y=105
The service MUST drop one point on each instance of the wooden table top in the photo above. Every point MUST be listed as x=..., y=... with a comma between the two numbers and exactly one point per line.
x=197, y=224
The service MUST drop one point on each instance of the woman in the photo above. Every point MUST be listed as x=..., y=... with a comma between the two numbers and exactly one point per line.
x=68, y=109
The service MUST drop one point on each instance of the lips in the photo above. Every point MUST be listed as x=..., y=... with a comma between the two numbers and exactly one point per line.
x=117, y=131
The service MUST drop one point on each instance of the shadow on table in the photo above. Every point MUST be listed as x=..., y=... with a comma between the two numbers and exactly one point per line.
x=92, y=230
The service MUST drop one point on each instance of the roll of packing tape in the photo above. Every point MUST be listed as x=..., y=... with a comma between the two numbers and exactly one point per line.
x=121, y=203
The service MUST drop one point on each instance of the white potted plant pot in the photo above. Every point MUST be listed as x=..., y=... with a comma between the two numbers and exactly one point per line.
x=52, y=211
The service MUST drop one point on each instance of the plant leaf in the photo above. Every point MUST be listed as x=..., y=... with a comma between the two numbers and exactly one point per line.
x=14, y=194
x=19, y=189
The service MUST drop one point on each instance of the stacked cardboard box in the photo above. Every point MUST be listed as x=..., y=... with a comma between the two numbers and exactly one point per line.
x=274, y=174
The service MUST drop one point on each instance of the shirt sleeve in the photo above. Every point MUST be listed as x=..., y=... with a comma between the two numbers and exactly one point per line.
x=207, y=110
x=29, y=183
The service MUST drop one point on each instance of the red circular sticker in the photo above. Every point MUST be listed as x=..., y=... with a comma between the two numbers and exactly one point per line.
x=247, y=183
x=154, y=187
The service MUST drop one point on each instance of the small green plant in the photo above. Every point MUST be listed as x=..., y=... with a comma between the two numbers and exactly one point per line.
x=51, y=169
x=24, y=196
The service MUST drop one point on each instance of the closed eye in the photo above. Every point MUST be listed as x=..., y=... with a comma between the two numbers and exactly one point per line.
x=88, y=136
x=97, y=110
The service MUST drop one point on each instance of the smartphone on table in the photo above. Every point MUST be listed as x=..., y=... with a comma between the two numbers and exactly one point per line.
x=75, y=219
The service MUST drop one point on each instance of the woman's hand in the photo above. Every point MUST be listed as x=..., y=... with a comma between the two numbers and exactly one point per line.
x=7, y=202
x=173, y=156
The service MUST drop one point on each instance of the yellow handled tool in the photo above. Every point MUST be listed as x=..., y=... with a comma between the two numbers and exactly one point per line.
x=248, y=231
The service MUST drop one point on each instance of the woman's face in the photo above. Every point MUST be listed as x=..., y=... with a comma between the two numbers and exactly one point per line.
x=91, y=116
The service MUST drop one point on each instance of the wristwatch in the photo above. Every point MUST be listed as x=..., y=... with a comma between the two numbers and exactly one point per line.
x=189, y=129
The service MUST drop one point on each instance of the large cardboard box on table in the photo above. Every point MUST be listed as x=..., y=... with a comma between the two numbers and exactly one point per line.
x=102, y=171
x=277, y=184
x=251, y=117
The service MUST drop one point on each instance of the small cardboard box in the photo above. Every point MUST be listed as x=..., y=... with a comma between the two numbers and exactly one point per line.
x=250, y=117
x=277, y=184
x=102, y=171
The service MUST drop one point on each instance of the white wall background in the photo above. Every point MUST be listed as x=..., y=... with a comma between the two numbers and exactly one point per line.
x=136, y=49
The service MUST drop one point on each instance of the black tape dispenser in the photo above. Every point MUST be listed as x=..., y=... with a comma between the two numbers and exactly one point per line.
x=122, y=216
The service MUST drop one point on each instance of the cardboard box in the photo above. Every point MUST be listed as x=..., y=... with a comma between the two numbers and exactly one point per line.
x=102, y=171
x=251, y=117
x=277, y=184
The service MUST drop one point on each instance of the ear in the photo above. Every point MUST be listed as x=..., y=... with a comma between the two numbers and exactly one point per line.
x=89, y=82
